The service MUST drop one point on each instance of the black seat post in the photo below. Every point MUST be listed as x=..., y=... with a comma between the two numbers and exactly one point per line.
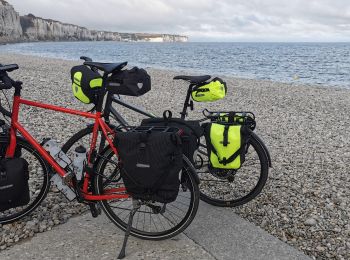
x=186, y=104
x=106, y=114
x=18, y=87
x=103, y=92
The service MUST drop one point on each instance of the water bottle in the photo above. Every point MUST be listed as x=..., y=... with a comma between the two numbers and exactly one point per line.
x=79, y=161
x=62, y=159
x=58, y=182
x=55, y=151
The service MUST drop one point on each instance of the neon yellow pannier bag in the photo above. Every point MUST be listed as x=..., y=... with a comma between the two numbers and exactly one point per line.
x=85, y=84
x=225, y=144
x=209, y=91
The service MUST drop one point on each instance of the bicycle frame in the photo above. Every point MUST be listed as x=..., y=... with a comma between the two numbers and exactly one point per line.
x=113, y=193
x=109, y=109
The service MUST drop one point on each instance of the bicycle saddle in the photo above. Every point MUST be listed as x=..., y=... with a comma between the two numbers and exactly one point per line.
x=193, y=79
x=106, y=67
x=8, y=68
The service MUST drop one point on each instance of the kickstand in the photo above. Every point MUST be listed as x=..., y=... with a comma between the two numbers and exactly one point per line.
x=136, y=206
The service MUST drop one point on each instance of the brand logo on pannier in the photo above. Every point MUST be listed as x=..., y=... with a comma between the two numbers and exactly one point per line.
x=114, y=84
x=6, y=187
x=141, y=165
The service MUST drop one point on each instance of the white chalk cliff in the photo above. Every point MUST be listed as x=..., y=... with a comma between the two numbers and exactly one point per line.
x=15, y=28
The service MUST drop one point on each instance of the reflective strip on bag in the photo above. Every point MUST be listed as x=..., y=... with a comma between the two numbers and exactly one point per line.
x=76, y=87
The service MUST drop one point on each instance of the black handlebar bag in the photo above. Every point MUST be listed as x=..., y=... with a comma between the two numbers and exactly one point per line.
x=150, y=164
x=14, y=188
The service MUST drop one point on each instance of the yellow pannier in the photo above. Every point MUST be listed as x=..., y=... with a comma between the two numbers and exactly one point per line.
x=225, y=145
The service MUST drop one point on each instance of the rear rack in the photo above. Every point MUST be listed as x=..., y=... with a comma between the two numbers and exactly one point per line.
x=231, y=117
x=166, y=129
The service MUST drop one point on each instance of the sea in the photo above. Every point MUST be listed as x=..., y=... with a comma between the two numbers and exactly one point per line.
x=301, y=63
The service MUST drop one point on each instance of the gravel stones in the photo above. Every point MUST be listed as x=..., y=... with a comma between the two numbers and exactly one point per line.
x=310, y=222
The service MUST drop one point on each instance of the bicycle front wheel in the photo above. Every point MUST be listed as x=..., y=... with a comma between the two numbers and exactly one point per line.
x=153, y=221
x=231, y=188
x=39, y=181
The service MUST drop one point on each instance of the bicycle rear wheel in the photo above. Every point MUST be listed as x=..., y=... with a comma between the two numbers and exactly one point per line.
x=231, y=188
x=154, y=221
x=39, y=180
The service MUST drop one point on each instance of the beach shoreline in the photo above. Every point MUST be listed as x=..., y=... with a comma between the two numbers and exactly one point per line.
x=255, y=61
x=306, y=202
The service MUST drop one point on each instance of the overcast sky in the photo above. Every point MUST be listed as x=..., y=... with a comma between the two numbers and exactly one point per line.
x=205, y=20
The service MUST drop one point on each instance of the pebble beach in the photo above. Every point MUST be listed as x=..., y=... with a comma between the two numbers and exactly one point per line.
x=306, y=201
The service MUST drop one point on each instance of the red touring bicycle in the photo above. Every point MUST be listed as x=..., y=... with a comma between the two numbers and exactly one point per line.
x=101, y=185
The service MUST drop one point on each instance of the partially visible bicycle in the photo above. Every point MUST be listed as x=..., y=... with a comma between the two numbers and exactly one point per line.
x=227, y=188
x=97, y=181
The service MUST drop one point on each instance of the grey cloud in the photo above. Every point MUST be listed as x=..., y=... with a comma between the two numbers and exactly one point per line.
x=266, y=20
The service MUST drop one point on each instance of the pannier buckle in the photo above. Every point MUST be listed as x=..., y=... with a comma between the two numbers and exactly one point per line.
x=223, y=161
x=142, y=146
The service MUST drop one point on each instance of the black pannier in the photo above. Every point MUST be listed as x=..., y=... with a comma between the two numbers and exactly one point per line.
x=133, y=82
x=191, y=132
x=14, y=189
x=150, y=164
x=3, y=148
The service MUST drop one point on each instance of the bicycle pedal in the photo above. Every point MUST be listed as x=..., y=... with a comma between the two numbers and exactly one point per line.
x=95, y=210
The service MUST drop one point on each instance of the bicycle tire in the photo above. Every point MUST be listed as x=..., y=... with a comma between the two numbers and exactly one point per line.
x=25, y=210
x=76, y=137
x=254, y=142
x=192, y=185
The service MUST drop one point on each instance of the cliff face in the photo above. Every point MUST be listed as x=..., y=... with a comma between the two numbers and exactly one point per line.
x=14, y=28
x=39, y=29
x=151, y=37
x=174, y=38
x=10, y=28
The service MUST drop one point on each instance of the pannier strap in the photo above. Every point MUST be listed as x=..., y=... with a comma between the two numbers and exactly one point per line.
x=225, y=141
x=225, y=161
x=143, y=137
x=231, y=117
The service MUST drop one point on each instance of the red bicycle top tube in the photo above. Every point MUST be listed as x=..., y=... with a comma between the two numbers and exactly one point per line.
x=57, y=108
